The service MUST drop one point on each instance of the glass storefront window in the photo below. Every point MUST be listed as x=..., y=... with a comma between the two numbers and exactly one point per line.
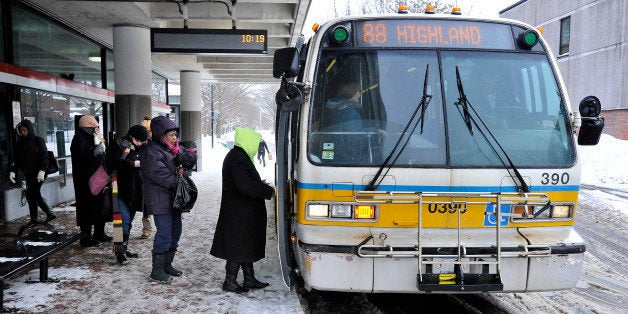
x=43, y=46
x=53, y=117
x=111, y=85
x=158, y=87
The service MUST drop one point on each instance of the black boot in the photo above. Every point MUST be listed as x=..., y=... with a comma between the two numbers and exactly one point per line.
x=168, y=265
x=49, y=214
x=86, y=236
x=118, y=250
x=250, y=282
x=99, y=233
x=230, y=283
x=125, y=243
x=158, y=273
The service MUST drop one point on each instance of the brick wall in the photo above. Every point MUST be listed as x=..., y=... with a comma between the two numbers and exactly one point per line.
x=616, y=123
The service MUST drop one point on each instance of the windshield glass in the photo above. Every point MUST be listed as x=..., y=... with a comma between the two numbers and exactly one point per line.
x=364, y=100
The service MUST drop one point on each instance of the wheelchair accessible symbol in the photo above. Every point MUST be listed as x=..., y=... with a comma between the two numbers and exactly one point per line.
x=490, y=219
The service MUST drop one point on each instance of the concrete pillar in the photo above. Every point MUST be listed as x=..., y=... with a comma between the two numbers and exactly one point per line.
x=132, y=75
x=191, y=110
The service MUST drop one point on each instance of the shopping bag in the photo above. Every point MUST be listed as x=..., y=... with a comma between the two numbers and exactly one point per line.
x=98, y=180
x=184, y=194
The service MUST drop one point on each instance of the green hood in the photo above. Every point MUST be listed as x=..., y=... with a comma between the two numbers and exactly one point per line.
x=248, y=140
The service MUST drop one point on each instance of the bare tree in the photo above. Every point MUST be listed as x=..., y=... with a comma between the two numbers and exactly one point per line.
x=233, y=106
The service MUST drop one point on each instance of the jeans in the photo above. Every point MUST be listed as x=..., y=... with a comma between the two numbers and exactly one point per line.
x=127, y=217
x=169, y=227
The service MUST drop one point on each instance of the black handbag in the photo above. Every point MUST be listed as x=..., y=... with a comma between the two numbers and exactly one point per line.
x=184, y=193
x=53, y=165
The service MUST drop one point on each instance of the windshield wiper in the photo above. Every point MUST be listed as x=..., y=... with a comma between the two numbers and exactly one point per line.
x=396, y=151
x=471, y=119
x=463, y=102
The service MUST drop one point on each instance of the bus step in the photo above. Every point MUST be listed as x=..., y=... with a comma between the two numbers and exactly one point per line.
x=452, y=282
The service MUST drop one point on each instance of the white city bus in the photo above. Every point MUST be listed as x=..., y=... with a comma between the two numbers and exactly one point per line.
x=453, y=168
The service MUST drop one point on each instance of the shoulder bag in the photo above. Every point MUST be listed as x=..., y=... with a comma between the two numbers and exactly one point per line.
x=184, y=194
x=98, y=180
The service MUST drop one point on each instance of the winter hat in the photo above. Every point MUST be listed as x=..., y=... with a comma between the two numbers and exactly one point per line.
x=146, y=123
x=138, y=132
x=248, y=140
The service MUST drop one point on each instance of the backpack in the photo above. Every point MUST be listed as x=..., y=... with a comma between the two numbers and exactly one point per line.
x=53, y=165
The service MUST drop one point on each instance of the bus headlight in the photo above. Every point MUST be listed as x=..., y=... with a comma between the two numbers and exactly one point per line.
x=561, y=211
x=318, y=210
x=549, y=211
x=341, y=210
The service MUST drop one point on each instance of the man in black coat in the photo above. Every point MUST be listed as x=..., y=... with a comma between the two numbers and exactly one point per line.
x=31, y=156
x=88, y=153
x=240, y=236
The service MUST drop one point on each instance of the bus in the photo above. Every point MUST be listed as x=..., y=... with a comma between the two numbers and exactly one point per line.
x=422, y=153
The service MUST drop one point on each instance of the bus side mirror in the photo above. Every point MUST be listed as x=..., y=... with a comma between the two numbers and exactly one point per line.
x=592, y=124
x=286, y=63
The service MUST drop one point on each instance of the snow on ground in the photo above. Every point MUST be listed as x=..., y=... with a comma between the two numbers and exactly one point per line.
x=90, y=281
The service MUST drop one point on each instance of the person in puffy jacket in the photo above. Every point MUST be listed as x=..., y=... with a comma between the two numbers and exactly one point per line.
x=31, y=157
x=240, y=236
x=161, y=158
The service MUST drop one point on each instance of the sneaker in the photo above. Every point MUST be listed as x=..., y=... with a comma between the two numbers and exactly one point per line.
x=145, y=234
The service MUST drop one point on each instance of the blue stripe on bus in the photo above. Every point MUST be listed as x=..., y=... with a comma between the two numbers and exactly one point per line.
x=434, y=188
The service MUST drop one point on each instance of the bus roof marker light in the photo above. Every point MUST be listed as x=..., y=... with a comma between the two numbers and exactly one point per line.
x=340, y=35
x=429, y=9
x=528, y=39
x=403, y=9
x=456, y=11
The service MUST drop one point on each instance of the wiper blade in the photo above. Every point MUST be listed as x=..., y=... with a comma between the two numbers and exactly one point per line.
x=469, y=120
x=463, y=102
x=396, y=151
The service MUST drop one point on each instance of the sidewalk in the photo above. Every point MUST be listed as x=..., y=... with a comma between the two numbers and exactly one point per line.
x=90, y=280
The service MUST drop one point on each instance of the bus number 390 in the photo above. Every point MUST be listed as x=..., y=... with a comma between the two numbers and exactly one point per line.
x=555, y=178
x=445, y=208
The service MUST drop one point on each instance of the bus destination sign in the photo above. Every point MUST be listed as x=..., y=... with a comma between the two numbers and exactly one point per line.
x=433, y=33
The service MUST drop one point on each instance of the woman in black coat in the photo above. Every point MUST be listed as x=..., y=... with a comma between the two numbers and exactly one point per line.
x=31, y=156
x=240, y=236
x=88, y=153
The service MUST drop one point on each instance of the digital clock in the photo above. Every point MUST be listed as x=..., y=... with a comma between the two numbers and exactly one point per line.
x=208, y=41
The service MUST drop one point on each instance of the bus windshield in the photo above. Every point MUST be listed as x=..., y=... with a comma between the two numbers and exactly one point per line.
x=365, y=100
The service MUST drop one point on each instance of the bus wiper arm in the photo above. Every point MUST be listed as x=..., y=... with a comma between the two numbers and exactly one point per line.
x=425, y=101
x=471, y=119
x=463, y=102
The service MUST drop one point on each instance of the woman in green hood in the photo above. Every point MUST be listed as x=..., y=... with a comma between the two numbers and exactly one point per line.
x=240, y=236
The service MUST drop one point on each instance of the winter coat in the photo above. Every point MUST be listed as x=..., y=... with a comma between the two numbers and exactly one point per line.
x=90, y=209
x=128, y=176
x=262, y=148
x=159, y=168
x=30, y=154
x=240, y=234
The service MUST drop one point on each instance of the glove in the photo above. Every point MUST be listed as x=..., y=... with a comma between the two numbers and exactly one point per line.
x=12, y=177
x=40, y=176
x=137, y=164
x=100, y=149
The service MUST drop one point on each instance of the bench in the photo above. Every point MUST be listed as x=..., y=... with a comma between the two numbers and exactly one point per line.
x=18, y=252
